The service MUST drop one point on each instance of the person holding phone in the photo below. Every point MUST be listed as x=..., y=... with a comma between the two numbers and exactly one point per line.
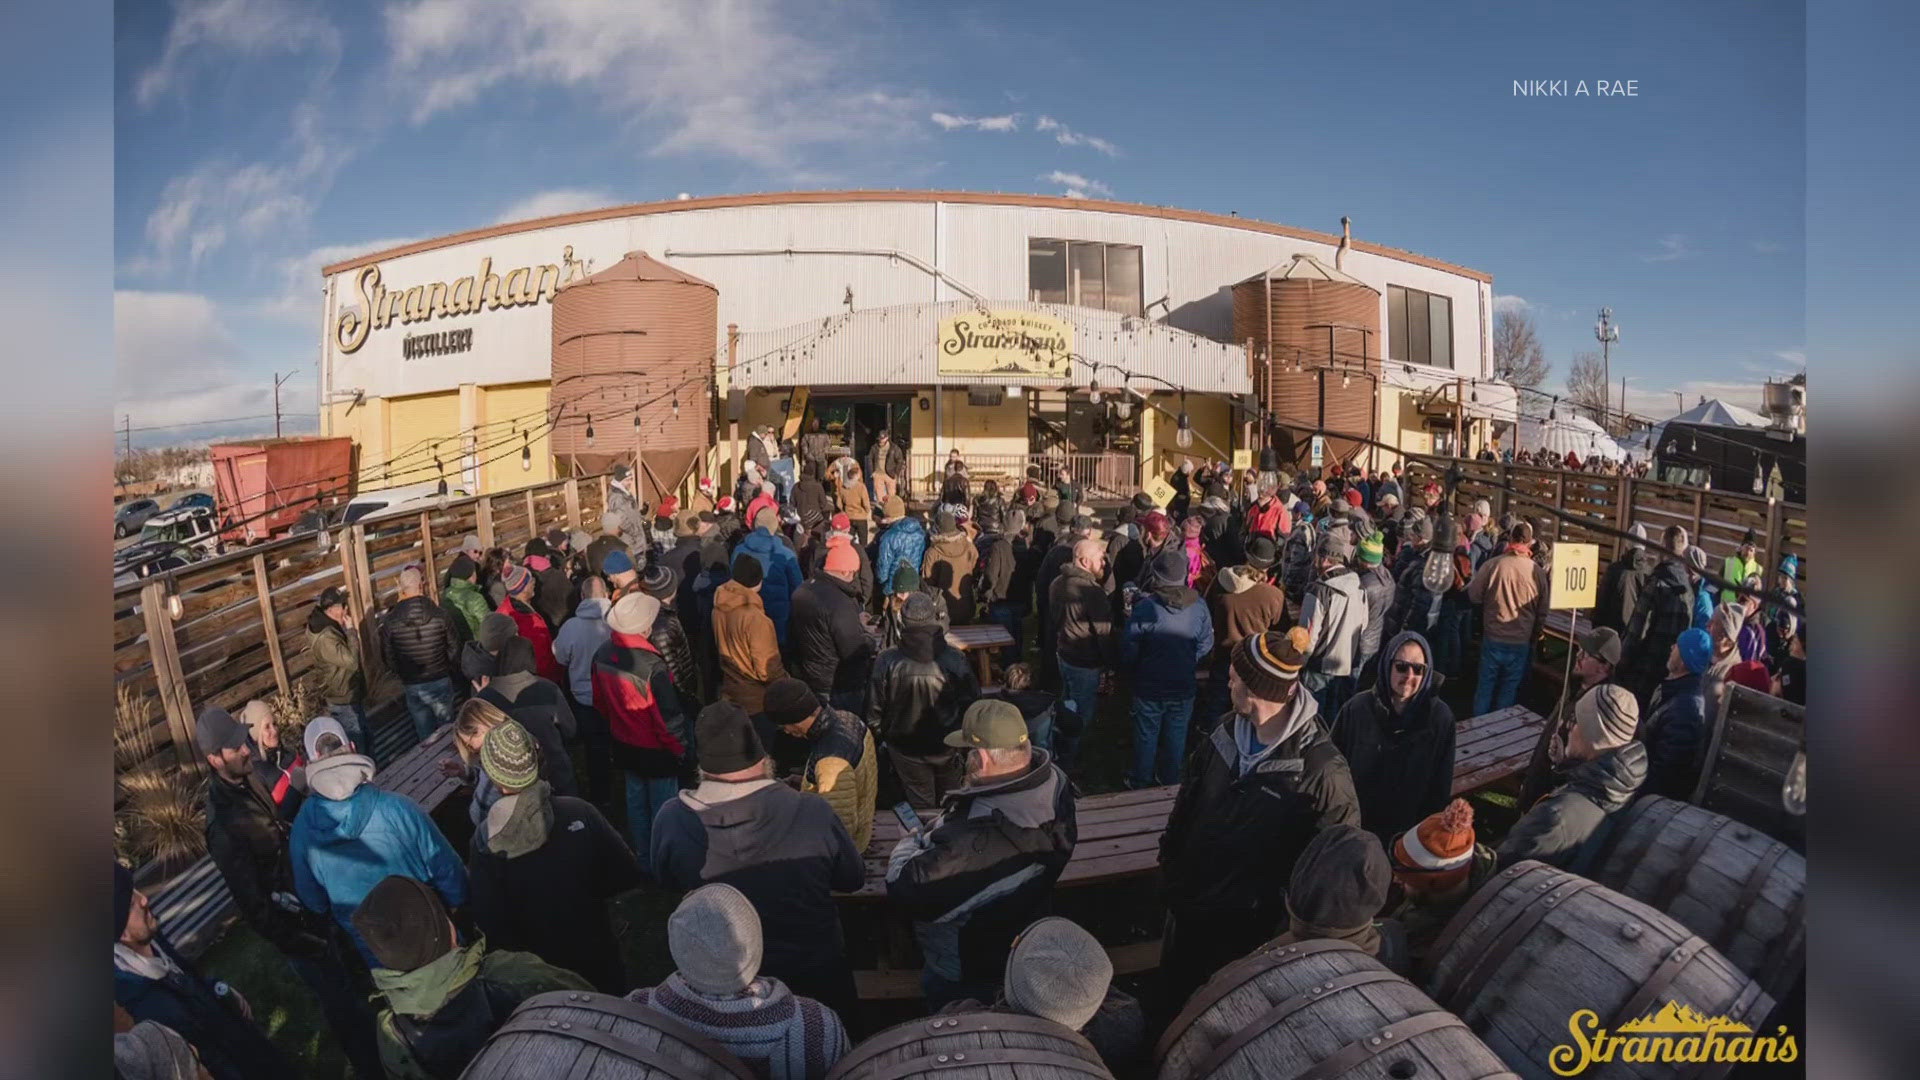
x=984, y=869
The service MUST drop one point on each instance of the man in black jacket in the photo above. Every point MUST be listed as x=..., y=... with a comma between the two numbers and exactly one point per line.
x=918, y=693
x=153, y=982
x=1620, y=588
x=540, y=706
x=827, y=646
x=1662, y=611
x=1677, y=729
x=1255, y=793
x=986, y=866
x=247, y=827
x=422, y=648
x=1606, y=770
x=1397, y=737
x=993, y=580
x=784, y=850
x=1083, y=643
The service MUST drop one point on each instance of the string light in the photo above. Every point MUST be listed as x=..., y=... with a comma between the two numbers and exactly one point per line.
x=589, y=431
x=1346, y=381
x=1553, y=411
x=526, y=452
x=1183, y=429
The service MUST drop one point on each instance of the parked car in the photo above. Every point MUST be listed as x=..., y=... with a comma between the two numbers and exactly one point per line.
x=193, y=527
x=191, y=500
x=131, y=515
x=378, y=504
x=137, y=562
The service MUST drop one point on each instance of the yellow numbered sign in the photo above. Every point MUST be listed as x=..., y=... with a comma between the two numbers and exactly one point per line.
x=1159, y=491
x=1576, y=576
x=1242, y=460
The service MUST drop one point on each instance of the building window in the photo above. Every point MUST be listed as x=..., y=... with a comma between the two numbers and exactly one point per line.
x=1419, y=327
x=1085, y=274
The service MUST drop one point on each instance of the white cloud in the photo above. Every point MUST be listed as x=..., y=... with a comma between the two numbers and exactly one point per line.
x=557, y=201
x=1077, y=185
x=1066, y=136
x=1796, y=358
x=248, y=27
x=1516, y=304
x=950, y=122
x=728, y=79
x=177, y=362
x=1673, y=246
x=300, y=298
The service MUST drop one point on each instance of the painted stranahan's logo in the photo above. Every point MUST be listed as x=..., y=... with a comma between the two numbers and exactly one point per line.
x=1676, y=1033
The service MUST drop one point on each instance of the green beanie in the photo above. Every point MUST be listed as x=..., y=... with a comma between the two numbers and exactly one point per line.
x=1373, y=549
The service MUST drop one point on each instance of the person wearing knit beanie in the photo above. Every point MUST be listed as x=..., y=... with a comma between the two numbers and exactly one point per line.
x=1339, y=885
x=1438, y=865
x=715, y=938
x=726, y=741
x=1373, y=549
x=1610, y=760
x=906, y=579
x=842, y=561
x=893, y=508
x=510, y=757
x=1057, y=971
x=518, y=580
x=1604, y=719
x=1695, y=650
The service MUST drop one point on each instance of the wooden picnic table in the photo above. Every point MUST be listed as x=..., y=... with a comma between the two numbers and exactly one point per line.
x=1493, y=746
x=980, y=639
x=416, y=773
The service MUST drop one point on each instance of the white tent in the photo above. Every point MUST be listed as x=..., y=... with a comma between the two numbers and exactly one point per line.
x=1570, y=431
x=1710, y=412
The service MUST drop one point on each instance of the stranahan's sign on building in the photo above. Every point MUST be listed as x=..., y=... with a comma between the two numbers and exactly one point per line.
x=1023, y=344
x=486, y=290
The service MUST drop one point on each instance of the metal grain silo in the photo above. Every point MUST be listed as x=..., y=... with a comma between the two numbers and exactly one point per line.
x=635, y=340
x=1293, y=304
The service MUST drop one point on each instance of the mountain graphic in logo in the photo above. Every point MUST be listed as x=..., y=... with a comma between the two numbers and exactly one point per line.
x=1675, y=1018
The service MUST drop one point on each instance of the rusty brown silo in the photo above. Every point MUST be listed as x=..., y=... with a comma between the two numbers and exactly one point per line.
x=1293, y=306
x=637, y=338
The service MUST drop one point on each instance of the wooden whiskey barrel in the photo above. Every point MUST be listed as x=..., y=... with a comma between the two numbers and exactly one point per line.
x=974, y=1046
x=1536, y=945
x=586, y=1036
x=1740, y=889
x=1321, y=1009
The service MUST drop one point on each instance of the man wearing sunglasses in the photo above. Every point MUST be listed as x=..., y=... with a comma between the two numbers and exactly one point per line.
x=1397, y=737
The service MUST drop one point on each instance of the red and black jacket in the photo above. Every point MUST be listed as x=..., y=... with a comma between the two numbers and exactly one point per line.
x=634, y=691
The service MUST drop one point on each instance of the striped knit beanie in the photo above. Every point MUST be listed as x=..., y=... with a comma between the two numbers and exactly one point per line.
x=1270, y=663
x=1373, y=549
x=517, y=579
x=509, y=757
x=1438, y=852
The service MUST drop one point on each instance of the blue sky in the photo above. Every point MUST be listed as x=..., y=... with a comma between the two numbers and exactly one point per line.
x=256, y=139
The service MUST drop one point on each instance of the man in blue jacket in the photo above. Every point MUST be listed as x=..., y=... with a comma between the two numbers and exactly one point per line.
x=351, y=835
x=779, y=565
x=1676, y=730
x=904, y=542
x=1168, y=634
x=152, y=982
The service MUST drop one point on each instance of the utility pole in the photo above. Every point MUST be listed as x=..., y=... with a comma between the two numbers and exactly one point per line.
x=1607, y=333
x=277, y=380
x=126, y=427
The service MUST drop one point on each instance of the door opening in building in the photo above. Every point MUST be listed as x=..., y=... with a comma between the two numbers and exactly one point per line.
x=855, y=423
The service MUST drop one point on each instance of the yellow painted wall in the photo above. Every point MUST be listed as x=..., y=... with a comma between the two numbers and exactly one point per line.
x=512, y=403
x=1212, y=419
x=419, y=429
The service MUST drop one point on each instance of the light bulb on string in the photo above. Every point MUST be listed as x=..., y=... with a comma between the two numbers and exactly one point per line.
x=676, y=404
x=1346, y=380
x=1476, y=393
x=1553, y=411
x=1183, y=426
x=1759, y=482
x=526, y=453
x=589, y=431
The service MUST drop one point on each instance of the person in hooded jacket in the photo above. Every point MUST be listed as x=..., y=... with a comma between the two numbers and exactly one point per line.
x=462, y=598
x=1606, y=769
x=1676, y=730
x=349, y=835
x=1253, y=794
x=544, y=867
x=916, y=695
x=842, y=765
x=669, y=634
x=1377, y=585
x=810, y=498
x=1334, y=612
x=1509, y=588
x=634, y=691
x=334, y=642
x=1168, y=633
x=827, y=644
x=785, y=850
x=903, y=541
x=1620, y=587
x=745, y=637
x=540, y=707
x=994, y=580
x=1398, y=739
x=251, y=804
x=985, y=868
x=1664, y=610
x=442, y=999
x=553, y=595
x=779, y=569
x=950, y=565
x=530, y=623
x=575, y=646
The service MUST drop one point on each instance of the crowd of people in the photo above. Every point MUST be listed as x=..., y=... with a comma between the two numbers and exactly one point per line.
x=1571, y=461
x=745, y=681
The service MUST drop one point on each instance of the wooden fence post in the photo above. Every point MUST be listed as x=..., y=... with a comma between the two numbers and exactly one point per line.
x=167, y=678
x=483, y=520
x=1699, y=513
x=1776, y=526
x=353, y=561
x=1505, y=479
x=1559, y=502
x=533, y=523
x=606, y=499
x=426, y=558
x=573, y=504
x=272, y=622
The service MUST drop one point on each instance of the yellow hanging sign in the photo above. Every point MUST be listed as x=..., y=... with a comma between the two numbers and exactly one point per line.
x=1021, y=344
x=1576, y=576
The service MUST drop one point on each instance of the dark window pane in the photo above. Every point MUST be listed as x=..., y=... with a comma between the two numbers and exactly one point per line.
x=1418, y=341
x=1396, y=322
x=1440, y=322
x=1047, y=271
x=1088, y=274
x=1123, y=279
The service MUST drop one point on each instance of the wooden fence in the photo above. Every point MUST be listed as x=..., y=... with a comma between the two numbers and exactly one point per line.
x=1715, y=520
x=234, y=627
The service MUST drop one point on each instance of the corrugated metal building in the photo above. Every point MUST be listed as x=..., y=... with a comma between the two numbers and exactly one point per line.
x=955, y=319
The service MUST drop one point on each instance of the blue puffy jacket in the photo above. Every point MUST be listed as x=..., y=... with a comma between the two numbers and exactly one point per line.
x=905, y=541
x=350, y=836
x=1163, y=645
x=782, y=569
x=1676, y=732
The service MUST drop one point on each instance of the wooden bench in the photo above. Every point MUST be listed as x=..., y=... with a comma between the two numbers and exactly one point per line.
x=981, y=640
x=416, y=773
x=1491, y=747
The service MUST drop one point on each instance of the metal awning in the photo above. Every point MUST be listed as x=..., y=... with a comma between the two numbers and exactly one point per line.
x=903, y=346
